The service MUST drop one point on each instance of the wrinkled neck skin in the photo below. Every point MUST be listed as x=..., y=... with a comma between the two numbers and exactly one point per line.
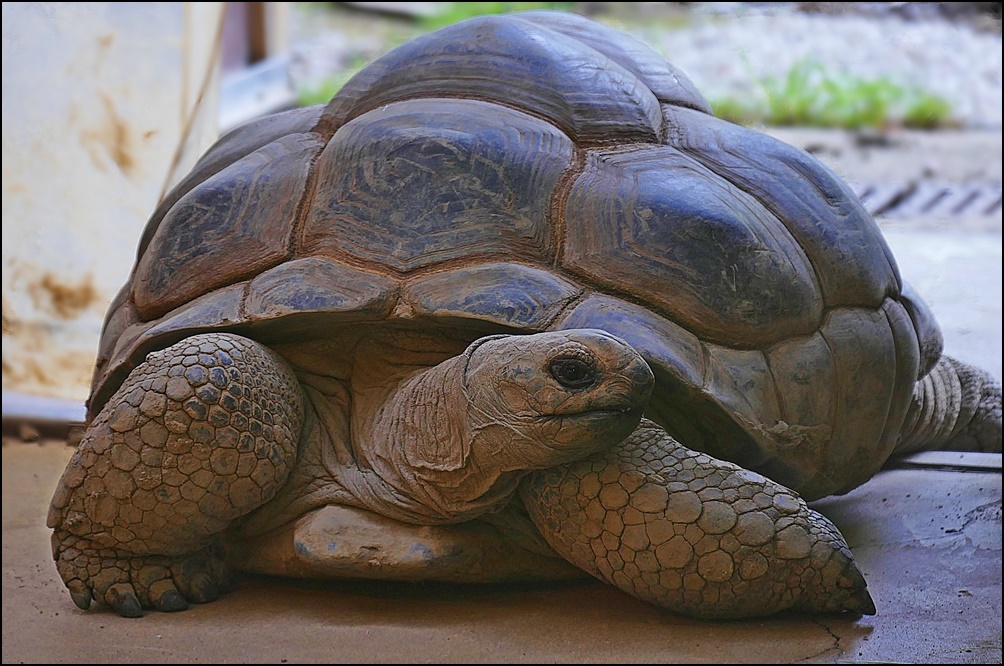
x=452, y=442
x=390, y=430
x=428, y=430
x=444, y=444
x=426, y=457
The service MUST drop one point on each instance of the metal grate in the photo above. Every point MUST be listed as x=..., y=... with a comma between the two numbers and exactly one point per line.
x=929, y=199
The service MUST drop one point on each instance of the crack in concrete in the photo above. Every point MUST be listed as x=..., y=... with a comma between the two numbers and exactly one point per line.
x=835, y=647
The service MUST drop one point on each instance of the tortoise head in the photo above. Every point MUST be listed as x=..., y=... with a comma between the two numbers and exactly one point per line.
x=539, y=400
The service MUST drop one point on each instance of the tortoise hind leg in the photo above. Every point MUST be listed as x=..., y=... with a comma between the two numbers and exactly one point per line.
x=199, y=434
x=955, y=407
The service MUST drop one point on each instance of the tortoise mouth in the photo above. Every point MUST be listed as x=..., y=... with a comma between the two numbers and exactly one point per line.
x=583, y=433
x=632, y=411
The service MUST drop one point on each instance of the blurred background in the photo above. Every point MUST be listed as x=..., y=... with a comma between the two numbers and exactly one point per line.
x=106, y=105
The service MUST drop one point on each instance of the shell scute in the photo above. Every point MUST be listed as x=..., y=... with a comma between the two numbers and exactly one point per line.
x=656, y=224
x=229, y=148
x=232, y=226
x=316, y=286
x=667, y=83
x=515, y=63
x=504, y=294
x=426, y=181
x=853, y=263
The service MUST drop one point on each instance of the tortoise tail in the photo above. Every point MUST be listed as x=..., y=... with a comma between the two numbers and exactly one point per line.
x=955, y=407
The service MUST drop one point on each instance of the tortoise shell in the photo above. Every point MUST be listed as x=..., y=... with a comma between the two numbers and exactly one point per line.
x=541, y=171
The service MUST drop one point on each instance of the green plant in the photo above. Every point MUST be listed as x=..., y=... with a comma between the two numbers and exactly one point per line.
x=812, y=95
x=458, y=11
x=928, y=112
x=322, y=91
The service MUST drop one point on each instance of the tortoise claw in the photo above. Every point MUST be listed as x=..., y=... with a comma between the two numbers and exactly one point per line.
x=203, y=589
x=164, y=596
x=130, y=584
x=122, y=598
x=861, y=603
x=80, y=594
x=197, y=585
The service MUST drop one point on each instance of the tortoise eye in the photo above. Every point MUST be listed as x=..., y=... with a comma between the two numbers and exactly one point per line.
x=573, y=373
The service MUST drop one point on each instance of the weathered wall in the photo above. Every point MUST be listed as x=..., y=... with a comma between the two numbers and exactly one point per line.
x=104, y=104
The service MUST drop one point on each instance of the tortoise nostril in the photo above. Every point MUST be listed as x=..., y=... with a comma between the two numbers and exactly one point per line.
x=573, y=373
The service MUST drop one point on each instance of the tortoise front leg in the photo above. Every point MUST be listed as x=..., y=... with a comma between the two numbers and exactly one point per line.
x=199, y=434
x=697, y=535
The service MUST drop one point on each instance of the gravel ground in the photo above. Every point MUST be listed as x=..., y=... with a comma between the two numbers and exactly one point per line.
x=724, y=54
x=726, y=47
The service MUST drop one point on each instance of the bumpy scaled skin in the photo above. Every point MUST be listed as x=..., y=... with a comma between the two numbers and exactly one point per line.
x=200, y=433
x=693, y=534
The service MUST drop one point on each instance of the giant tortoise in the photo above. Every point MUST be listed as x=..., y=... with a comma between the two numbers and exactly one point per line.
x=514, y=305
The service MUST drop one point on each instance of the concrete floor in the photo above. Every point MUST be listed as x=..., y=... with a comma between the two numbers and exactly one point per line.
x=927, y=538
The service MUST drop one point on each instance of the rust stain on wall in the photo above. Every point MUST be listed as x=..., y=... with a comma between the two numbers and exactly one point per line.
x=53, y=295
x=8, y=324
x=113, y=137
x=35, y=363
x=15, y=187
